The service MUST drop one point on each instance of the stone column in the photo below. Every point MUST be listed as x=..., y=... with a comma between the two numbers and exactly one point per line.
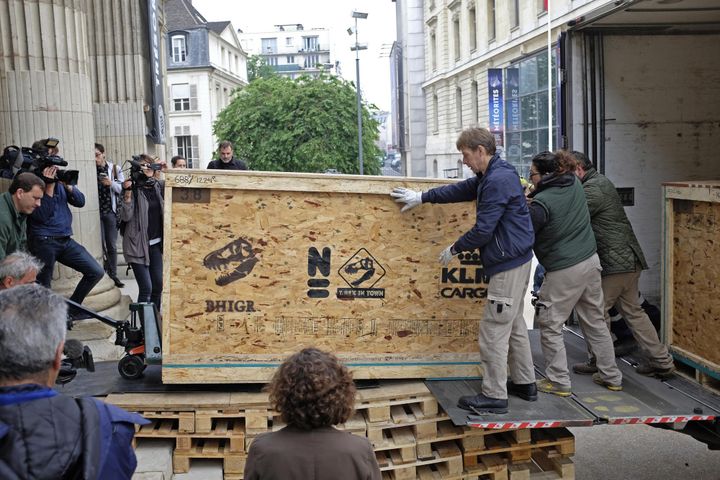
x=45, y=90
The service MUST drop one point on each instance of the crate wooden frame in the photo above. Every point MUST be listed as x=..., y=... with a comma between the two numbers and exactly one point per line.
x=255, y=205
x=695, y=191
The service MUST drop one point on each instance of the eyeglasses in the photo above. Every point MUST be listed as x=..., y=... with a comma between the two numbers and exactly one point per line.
x=532, y=174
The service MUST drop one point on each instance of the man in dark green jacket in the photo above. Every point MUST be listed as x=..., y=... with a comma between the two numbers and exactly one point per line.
x=22, y=198
x=622, y=262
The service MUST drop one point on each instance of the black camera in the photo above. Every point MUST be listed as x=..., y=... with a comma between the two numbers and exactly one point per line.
x=43, y=159
x=137, y=176
x=35, y=159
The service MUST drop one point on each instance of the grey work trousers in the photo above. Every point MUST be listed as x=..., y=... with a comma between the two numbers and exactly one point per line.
x=579, y=286
x=503, y=334
x=621, y=290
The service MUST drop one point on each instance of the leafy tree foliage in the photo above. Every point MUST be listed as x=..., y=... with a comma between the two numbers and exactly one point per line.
x=302, y=125
x=257, y=68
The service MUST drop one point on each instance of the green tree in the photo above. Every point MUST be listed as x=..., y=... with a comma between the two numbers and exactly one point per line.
x=258, y=68
x=303, y=125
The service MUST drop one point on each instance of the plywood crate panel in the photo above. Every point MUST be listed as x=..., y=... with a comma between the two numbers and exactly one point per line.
x=690, y=273
x=260, y=264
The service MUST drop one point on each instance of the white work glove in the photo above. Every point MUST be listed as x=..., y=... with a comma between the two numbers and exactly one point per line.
x=410, y=198
x=446, y=256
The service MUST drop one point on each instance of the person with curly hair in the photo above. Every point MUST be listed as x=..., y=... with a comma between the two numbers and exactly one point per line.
x=312, y=391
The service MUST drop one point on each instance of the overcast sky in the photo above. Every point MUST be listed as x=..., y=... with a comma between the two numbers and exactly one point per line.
x=377, y=31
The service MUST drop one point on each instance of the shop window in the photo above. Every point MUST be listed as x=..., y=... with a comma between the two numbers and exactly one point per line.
x=526, y=109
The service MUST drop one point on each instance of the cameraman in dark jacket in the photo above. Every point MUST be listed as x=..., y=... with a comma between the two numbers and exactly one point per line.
x=50, y=235
x=44, y=434
x=142, y=213
x=503, y=232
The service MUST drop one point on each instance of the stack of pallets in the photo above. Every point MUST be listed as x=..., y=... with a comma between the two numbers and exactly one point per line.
x=411, y=435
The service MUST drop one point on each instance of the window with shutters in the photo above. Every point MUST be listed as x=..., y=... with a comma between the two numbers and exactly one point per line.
x=186, y=145
x=184, y=97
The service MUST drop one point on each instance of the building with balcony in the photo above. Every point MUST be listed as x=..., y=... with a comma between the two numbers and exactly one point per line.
x=205, y=65
x=292, y=50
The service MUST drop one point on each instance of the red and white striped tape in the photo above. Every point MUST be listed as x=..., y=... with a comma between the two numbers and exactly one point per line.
x=668, y=419
x=613, y=421
x=517, y=425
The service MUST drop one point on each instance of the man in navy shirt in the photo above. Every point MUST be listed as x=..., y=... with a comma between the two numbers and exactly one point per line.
x=50, y=236
x=503, y=232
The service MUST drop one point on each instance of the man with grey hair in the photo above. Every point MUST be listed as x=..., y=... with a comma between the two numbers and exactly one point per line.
x=44, y=434
x=503, y=232
x=18, y=268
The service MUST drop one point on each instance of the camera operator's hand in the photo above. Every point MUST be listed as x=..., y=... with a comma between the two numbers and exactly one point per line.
x=127, y=190
x=50, y=172
x=50, y=175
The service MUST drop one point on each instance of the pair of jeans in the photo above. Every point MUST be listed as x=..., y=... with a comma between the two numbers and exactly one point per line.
x=109, y=233
x=71, y=254
x=150, y=277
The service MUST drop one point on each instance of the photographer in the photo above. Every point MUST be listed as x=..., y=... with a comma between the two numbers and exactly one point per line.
x=142, y=213
x=110, y=178
x=44, y=434
x=50, y=231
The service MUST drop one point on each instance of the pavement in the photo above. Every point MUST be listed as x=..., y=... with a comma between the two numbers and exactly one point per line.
x=637, y=452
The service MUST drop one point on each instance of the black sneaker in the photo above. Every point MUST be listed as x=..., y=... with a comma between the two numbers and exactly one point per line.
x=481, y=404
x=526, y=391
x=653, y=371
x=117, y=281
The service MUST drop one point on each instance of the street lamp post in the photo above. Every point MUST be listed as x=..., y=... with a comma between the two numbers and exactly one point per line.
x=356, y=48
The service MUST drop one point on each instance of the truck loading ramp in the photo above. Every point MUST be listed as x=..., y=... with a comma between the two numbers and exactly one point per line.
x=642, y=400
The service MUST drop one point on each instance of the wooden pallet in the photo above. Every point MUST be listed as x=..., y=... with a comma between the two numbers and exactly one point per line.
x=447, y=460
x=254, y=420
x=233, y=462
x=422, y=427
x=489, y=467
x=546, y=464
x=558, y=439
x=474, y=438
x=183, y=422
x=378, y=404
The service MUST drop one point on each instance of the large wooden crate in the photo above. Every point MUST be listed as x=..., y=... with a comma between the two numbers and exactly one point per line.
x=691, y=276
x=259, y=265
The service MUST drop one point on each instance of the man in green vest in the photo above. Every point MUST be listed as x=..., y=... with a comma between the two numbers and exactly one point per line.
x=622, y=262
x=21, y=199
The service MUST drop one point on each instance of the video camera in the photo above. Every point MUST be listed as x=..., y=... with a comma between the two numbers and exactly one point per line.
x=35, y=159
x=137, y=176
